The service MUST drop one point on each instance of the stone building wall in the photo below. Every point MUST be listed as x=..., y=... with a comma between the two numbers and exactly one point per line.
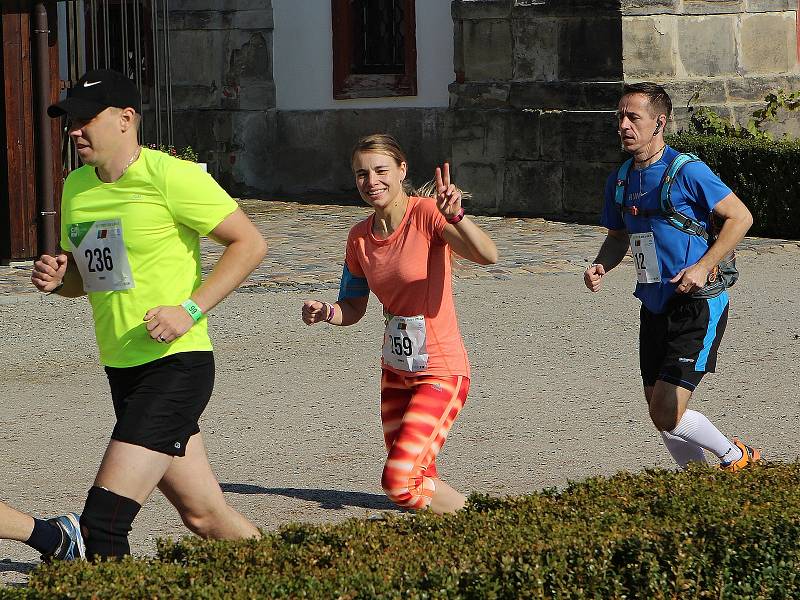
x=731, y=52
x=530, y=128
x=223, y=90
x=533, y=132
x=316, y=132
x=225, y=107
x=532, y=108
x=313, y=147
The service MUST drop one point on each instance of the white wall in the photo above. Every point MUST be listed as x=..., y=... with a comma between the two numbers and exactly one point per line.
x=303, y=58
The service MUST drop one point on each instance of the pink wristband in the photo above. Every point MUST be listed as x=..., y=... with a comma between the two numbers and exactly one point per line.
x=331, y=312
x=456, y=218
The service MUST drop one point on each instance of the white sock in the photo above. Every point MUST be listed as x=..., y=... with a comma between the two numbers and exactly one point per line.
x=682, y=451
x=696, y=428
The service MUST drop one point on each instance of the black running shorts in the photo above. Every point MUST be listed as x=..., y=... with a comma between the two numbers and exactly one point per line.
x=158, y=404
x=680, y=345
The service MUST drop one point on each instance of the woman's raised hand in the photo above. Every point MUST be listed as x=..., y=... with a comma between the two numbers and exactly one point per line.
x=448, y=196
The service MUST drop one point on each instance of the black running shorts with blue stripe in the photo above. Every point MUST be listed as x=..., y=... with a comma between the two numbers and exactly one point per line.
x=680, y=345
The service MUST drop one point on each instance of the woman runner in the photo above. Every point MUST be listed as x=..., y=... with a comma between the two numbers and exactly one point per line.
x=402, y=253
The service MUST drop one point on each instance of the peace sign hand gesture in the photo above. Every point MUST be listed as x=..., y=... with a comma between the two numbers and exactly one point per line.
x=448, y=196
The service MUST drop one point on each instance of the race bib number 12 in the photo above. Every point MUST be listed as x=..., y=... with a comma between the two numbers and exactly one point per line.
x=101, y=256
x=645, y=258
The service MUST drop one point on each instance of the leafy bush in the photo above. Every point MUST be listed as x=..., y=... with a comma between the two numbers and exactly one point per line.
x=765, y=174
x=705, y=121
x=657, y=534
x=185, y=153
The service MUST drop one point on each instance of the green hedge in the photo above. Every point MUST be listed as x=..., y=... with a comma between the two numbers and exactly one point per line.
x=657, y=534
x=764, y=174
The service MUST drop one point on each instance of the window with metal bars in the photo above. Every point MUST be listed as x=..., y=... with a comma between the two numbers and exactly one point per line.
x=374, y=48
x=130, y=36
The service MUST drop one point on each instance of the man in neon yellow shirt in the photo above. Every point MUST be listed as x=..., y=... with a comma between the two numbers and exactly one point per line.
x=131, y=219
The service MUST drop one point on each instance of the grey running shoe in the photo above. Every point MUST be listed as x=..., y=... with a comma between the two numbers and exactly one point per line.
x=71, y=546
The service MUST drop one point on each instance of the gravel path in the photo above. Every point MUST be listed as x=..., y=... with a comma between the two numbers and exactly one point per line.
x=293, y=429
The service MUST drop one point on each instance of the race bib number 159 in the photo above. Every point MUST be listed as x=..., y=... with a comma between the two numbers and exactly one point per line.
x=404, y=346
x=101, y=256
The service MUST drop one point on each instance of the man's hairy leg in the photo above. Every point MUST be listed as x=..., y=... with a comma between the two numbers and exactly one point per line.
x=131, y=471
x=192, y=488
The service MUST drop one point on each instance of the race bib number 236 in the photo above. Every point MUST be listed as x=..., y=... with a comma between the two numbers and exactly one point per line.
x=101, y=256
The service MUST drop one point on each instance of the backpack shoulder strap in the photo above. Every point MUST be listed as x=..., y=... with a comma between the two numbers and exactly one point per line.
x=622, y=183
x=675, y=218
x=679, y=161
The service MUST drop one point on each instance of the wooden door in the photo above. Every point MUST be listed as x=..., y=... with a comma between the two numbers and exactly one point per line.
x=19, y=212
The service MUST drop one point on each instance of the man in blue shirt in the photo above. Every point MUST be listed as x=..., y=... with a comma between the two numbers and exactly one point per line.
x=682, y=317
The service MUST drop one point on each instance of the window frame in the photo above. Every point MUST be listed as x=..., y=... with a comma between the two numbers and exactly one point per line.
x=348, y=85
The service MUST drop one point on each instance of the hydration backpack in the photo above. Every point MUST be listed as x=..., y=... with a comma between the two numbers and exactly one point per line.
x=723, y=275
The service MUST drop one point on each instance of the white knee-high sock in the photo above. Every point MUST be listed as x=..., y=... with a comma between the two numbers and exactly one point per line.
x=682, y=451
x=696, y=428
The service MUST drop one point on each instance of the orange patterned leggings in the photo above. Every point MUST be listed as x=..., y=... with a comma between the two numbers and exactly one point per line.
x=416, y=413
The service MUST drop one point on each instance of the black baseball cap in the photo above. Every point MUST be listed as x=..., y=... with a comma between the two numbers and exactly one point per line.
x=95, y=92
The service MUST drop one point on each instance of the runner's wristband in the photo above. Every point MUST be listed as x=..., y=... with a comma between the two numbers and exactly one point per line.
x=331, y=312
x=191, y=307
x=457, y=217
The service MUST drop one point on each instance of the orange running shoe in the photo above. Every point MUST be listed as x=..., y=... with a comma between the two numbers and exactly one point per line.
x=750, y=456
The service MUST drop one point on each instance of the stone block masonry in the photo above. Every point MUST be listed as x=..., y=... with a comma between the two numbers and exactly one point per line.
x=223, y=89
x=730, y=52
x=537, y=85
x=532, y=110
x=530, y=128
x=313, y=159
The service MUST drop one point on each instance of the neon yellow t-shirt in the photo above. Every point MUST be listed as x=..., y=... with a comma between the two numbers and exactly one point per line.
x=137, y=245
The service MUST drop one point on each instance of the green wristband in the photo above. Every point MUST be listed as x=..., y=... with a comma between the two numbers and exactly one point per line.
x=191, y=307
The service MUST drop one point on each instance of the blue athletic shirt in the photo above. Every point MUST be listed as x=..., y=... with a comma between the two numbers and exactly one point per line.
x=695, y=192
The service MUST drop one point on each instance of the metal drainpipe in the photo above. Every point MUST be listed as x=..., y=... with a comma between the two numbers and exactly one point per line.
x=44, y=149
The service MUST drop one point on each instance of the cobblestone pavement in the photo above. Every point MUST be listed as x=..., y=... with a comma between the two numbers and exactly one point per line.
x=307, y=248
